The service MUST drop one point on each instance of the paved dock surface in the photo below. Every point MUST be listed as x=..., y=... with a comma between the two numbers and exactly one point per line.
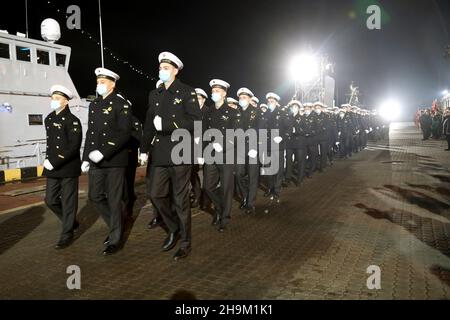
x=388, y=206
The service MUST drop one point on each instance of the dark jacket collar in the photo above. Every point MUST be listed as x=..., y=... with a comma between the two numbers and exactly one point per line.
x=63, y=113
x=173, y=87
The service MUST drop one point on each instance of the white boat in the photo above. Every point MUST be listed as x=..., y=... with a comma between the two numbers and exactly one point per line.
x=28, y=68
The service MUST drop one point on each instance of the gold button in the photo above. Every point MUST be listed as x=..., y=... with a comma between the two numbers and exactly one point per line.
x=57, y=147
x=105, y=123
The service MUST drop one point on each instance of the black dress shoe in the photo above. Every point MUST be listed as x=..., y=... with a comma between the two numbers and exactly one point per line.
x=250, y=210
x=267, y=193
x=106, y=242
x=171, y=241
x=243, y=205
x=182, y=253
x=195, y=203
x=221, y=228
x=155, y=223
x=76, y=227
x=216, y=220
x=64, y=243
x=276, y=198
x=110, y=249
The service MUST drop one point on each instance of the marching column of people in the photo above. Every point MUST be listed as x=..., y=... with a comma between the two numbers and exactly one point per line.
x=279, y=144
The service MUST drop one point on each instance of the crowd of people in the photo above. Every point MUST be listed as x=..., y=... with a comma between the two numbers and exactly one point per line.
x=303, y=138
x=434, y=124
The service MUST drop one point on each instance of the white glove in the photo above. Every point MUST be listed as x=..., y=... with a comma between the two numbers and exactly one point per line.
x=339, y=133
x=197, y=140
x=367, y=131
x=48, y=165
x=85, y=166
x=201, y=161
x=96, y=156
x=143, y=158
x=157, y=122
x=370, y=130
x=357, y=131
x=217, y=147
x=378, y=128
x=338, y=143
x=252, y=153
x=277, y=139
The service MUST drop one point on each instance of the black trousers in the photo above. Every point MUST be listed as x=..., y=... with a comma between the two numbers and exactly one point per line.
x=106, y=191
x=195, y=182
x=448, y=140
x=169, y=194
x=426, y=132
x=312, y=150
x=61, y=196
x=276, y=179
x=129, y=195
x=220, y=195
x=247, y=179
x=323, y=153
x=298, y=163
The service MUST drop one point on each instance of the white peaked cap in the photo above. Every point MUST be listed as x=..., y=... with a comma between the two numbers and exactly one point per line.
x=232, y=100
x=219, y=83
x=168, y=57
x=201, y=92
x=61, y=90
x=105, y=73
x=273, y=96
x=245, y=91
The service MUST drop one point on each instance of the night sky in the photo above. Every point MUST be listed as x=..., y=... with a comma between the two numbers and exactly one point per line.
x=250, y=43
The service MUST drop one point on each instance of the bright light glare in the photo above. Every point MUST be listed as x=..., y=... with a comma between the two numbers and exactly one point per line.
x=445, y=92
x=390, y=110
x=304, y=68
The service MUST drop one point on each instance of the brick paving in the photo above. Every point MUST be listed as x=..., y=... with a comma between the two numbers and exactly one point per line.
x=387, y=206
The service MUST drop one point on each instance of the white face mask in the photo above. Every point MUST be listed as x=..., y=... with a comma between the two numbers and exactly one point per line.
x=341, y=115
x=243, y=103
x=55, y=104
x=216, y=97
x=318, y=111
x=101, y=89
x=307, y=112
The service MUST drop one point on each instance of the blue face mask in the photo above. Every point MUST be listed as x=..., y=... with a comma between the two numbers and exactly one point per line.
x=271, y=106
x=243, y=104
x=55, y=105
x=164, y=75
x=216, y=97
x=101, y=89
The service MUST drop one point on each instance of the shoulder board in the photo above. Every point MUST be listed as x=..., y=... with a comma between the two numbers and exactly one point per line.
x=120, y=96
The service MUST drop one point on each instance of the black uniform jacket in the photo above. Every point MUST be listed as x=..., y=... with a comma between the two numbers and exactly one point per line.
x=178, y=108
x=64, y=136
x=109, y=131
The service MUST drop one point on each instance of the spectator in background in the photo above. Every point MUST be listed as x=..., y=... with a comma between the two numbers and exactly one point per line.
x=425, y=124
x=446, y=128
x=436, y=124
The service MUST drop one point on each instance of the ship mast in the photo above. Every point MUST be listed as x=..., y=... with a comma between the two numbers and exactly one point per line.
x=101, y=31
